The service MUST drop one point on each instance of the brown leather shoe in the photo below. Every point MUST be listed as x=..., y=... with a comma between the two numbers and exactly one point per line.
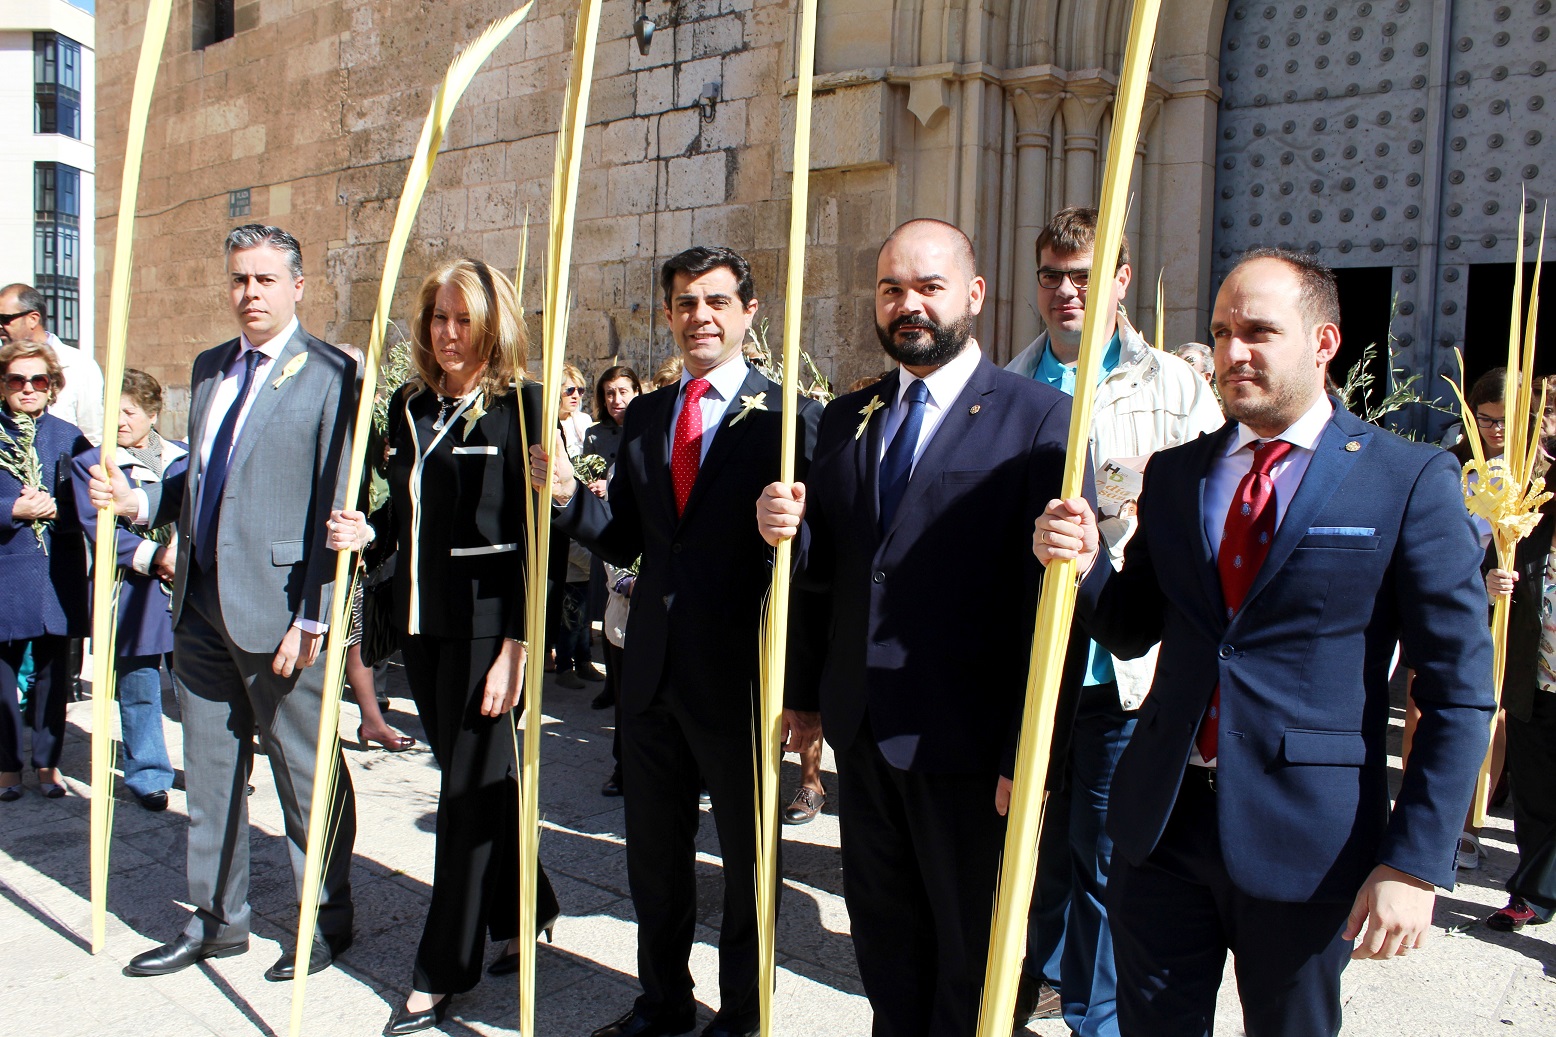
x=807, y=804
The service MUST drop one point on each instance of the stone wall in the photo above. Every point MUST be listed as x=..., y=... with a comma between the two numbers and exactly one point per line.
x=315, y=107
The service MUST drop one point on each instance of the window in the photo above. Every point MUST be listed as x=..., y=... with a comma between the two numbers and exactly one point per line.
x=57, y=245
x=213, y=22
x=56, y=75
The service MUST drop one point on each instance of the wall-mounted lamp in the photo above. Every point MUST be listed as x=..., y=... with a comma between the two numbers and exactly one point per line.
x=708, y=101
x=643, y=29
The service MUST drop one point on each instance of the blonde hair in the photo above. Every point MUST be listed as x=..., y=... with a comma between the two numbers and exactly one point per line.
x=576, y=376
x=496, y=324
x=668, y=373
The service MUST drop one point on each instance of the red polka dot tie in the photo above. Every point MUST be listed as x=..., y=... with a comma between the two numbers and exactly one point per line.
x=1245, y=540
x=686, y=453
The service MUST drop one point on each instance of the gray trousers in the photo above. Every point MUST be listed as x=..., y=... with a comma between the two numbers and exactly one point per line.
x=224, y=692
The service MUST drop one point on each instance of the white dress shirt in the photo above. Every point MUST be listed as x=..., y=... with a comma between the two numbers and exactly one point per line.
x=80, y=402
x=945, y=383
x=724, y=383
x=1228, y=470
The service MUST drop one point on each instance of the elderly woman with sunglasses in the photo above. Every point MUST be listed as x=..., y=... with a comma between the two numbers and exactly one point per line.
x=44, y=603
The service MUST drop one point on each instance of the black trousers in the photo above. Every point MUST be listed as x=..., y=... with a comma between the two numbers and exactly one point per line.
x=1176, y=916
x=475, y=883
x=921, y=856
x=1531, y=758
x=665, y=750
x=45, y=713
x=613, y=670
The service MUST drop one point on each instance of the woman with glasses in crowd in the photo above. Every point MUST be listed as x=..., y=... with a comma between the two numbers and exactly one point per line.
x=44, y=603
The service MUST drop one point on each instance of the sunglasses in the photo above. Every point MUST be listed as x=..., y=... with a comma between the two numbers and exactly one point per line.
x=1052, y=279
x=6, y=318
x=572, y=390
x=18, y=382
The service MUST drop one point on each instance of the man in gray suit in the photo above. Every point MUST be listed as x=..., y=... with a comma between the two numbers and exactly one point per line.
x=269, y=425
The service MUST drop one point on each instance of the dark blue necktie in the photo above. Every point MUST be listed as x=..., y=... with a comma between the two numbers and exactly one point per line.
x=214, y=477
x=897, y=466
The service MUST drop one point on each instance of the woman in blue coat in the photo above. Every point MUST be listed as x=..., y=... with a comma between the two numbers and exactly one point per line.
x=145, y=634
x=43, y=598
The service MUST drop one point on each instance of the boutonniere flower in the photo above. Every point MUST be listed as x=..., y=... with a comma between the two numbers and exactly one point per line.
x=868, y=410
x=292, y=367
x=474, y=413
x=749, y=404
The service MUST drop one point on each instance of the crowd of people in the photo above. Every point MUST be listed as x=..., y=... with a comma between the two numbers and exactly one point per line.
x=1220, y=764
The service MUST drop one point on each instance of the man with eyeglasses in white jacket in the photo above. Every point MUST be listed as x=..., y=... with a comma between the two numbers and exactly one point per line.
x=1146, y=400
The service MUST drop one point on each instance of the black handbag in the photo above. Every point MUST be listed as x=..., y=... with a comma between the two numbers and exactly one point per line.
x=379, y=639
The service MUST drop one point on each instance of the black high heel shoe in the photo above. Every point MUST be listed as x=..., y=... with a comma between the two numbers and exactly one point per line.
x=405, y=1021
x=508, y=964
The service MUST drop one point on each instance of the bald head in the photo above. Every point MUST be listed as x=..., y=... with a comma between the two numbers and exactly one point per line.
x=936, y=233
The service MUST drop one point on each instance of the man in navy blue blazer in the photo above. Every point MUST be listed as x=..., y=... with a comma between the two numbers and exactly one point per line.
x=913, y=529
x=1251, y=810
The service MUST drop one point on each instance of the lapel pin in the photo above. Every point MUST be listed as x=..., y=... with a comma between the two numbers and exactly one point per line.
x=974, y=409
x=1351, y=446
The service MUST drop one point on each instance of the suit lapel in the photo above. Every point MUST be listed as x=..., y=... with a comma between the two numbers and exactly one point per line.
x=267, y=396
x=1205, y=562
x=200, y=404
x=1331, y=463
x=957, y=423
x=656, y=453
x=867, y=450
x=731, y=434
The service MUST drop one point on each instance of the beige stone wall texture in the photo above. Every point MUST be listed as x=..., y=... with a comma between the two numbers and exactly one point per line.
x=988, y=115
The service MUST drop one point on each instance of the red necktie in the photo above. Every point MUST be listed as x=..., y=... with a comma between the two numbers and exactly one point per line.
x=686, y=452
x=1245, y=540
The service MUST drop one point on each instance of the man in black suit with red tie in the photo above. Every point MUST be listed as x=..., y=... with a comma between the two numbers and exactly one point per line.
x=691, y=462
x=914, y=529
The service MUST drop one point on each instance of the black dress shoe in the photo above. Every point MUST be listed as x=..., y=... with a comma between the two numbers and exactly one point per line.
x=604, y=700
x=156, y=802
x=285, y=968
x=634, y=1025
x=508, y=964
x=179, y=955
x=612, y=786
x=405, y=1021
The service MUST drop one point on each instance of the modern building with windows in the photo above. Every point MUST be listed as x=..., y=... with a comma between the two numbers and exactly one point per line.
x=46, y=167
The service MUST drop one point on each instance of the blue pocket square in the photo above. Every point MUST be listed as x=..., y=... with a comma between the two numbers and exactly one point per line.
x=1342, y=531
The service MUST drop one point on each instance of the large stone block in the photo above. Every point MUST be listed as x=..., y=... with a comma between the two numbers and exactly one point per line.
x=692, y=76
x=655, y=90
x=625, y=141
x=697, y=180
x=632, y=189
x=848, y=128
x=712, y=37
x=677, y=132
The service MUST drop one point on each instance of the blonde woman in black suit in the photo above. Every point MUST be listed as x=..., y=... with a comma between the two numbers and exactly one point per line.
x=457, y=446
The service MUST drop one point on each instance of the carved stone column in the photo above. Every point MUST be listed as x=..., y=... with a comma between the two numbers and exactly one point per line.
x=1141, y=297
x=1088, y=96
x=1034, y=102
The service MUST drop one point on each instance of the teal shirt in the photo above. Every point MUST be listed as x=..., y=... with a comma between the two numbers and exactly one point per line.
x=1099, y=664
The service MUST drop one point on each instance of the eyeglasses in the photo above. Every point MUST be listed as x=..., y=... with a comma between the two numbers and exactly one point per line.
x=18, y=382
x=1490, y=423
x=571, y=390
x=1051, y=279
x=6, y=318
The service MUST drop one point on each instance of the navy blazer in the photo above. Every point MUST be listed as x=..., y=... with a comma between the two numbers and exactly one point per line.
x=145, y=602
x=1376, y=548
x=930, y=625
x=705, y=574
x=45, y=590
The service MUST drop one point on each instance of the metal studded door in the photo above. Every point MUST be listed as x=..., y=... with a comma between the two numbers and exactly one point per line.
x=1386, y=133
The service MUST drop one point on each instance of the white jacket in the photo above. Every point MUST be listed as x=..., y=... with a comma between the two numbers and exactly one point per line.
x=81, y=400
x=1150, y=401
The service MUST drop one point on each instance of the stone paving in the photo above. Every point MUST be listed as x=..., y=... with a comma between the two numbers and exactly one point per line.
x=1469, y=981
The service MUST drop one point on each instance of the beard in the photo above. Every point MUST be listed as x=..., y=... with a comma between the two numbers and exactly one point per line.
x=942, y=344
x=1276, y=405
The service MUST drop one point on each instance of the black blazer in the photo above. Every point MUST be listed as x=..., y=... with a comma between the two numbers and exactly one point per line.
x=697, y=605
x=459, y=569
x=931, y=624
